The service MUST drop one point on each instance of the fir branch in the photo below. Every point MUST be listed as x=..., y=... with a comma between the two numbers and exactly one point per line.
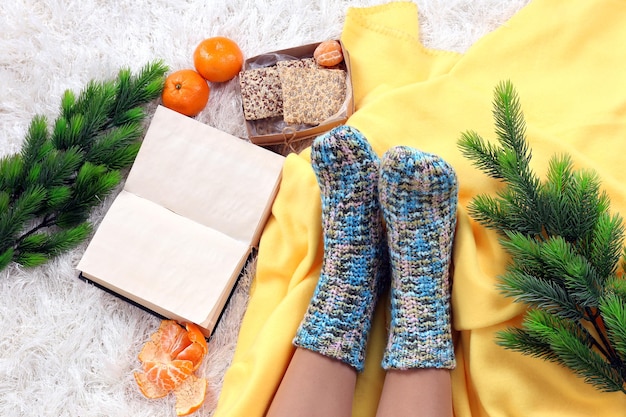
x=36, y=144
x=509, y=162
x=570, y=344
x=585, y=362
x=23, y=209
x=65, y=169
x=510, y=124
x=522, y=341
x=117, y=148
x=604, y=245
x=93, y=182
x=539, y=293
x=613, y=308
x=54, y=243
x=564, y=246
x=11, y=175
x=545, y=326
x=6, y=257
x=491, y=212
x=482, y=153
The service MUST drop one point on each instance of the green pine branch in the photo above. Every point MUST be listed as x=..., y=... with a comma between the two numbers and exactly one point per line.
x=66, y=168
x=565, y=248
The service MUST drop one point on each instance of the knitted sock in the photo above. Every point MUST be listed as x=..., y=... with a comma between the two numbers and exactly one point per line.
x=418, y=197
x=338, y=318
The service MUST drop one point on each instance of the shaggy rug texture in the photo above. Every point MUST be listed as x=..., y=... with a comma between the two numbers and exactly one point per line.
x=68, y=348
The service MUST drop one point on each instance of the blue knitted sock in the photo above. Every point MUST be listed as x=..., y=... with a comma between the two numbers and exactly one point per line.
x=338, y=318
x=418, y=197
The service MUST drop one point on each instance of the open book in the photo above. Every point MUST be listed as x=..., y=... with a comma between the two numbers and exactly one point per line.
x=194, y=204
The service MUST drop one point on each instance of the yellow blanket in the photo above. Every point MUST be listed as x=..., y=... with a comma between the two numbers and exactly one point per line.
x=567, y=61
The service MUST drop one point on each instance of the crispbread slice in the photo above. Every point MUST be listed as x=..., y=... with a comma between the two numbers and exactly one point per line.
x=261, y=93
x=311, y=95
x=297, y=63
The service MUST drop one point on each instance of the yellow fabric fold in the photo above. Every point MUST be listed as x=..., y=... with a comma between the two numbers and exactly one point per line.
x=566, y=61
x=386, y=51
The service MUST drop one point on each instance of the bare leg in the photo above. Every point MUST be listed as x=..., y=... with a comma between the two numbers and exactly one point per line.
x=424, y=392
x=315, y=385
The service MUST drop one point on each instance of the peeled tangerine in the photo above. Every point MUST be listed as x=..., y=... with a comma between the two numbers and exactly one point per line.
x=328, y=53
x=169, y=360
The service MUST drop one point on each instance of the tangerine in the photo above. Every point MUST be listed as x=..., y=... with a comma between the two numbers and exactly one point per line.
x=169, y=360
x=186, y=92
x=218, y=59
x=328, y=53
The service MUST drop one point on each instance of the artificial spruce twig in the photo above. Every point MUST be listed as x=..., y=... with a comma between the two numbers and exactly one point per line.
x=63, y=171
x=565, y=249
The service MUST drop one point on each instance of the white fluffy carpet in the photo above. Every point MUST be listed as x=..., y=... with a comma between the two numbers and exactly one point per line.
x=69, y=349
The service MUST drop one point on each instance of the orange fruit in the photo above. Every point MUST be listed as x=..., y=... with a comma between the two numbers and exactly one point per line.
x=328, y=53
x=190, y=395
x=218, y=59
x=186, y=92
x=169, y=360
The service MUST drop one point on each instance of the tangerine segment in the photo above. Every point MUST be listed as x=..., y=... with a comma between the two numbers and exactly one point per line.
x=190, y=395
x=328, y=53
x=195, y=336
x=172, y=338
x=218, y=59
x=166, y=343
x=168, y=375
x=193, y=353
x=148, y=388
x=198, y=348
x=151, y=352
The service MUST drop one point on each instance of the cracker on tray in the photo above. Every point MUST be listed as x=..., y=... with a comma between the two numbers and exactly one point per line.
x=261, y=93
x=311, y=95
x=297, y=63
